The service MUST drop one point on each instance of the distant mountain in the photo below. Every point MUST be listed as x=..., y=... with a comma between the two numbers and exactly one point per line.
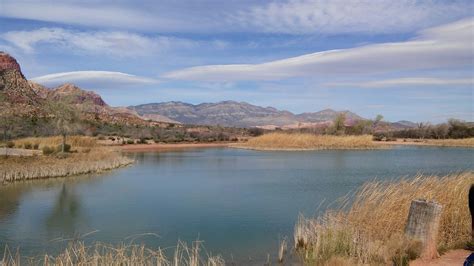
x=403, y=124
x=239, y=114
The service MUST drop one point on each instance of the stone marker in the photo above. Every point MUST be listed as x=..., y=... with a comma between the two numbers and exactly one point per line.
x=423, y=225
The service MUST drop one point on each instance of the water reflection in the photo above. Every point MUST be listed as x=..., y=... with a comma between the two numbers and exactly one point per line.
x=66, y=212
x=10, y=200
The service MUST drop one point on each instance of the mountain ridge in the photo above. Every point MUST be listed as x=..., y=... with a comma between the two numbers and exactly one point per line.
x=233, y=113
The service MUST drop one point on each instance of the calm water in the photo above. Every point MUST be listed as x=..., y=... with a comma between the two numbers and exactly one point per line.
x=239, y=202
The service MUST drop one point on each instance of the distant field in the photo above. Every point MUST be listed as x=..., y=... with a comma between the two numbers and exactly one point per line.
x=303, y=141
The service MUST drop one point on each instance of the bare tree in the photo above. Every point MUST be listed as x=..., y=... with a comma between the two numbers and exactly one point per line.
x=65, y=120
x=8, y=119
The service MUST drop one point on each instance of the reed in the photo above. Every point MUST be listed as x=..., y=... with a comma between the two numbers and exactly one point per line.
x=75, y=141
x=371, y=229
x=96, y=160
x=77, y=253
x=304, y=141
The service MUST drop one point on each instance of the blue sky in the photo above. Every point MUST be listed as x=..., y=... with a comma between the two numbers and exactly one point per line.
x=408, y=60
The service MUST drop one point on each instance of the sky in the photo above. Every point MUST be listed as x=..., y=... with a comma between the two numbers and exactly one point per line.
x=406, y=59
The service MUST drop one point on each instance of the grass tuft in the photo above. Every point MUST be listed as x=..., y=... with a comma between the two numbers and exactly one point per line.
x=77, y=253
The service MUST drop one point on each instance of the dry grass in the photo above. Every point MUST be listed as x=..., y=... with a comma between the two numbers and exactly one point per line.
x=302, y=141
x=101, y=254
x=35, y=167
x=371, y=230
x=74, y=141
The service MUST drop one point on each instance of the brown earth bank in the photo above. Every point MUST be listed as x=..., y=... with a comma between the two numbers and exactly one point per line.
x=451, y=258
x=467, y=142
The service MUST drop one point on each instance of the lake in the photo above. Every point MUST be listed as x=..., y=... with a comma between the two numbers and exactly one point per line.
x=239, y=202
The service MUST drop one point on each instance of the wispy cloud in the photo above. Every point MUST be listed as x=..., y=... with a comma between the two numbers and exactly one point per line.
x=350, y=16
x=400, y=82
x=445, y=46
x=97, y=42
x=98, y=78
x=291, y=16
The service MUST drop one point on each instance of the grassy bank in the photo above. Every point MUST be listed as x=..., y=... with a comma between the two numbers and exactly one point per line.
x=85, y=157
x=303, y=141
x=371, y=229
x=103, y=254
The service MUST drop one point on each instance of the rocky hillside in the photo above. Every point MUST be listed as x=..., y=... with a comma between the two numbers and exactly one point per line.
x=19, y=95
x=231, y=113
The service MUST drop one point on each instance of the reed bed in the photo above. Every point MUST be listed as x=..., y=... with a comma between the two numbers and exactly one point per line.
x=371, y=229
x=304, y=141
x=75, y=141
x=95, y=160
x=77, y=253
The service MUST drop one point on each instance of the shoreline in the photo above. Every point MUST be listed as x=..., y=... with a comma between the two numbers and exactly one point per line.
x=378, y=145
x=426, y=142
x=173, y=146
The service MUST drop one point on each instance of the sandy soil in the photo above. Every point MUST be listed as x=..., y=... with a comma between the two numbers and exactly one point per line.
x=451, y=258
x=158, y=147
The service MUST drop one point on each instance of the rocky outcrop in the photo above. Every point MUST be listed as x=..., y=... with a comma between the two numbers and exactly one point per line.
x=7, y=62
x=72, y=94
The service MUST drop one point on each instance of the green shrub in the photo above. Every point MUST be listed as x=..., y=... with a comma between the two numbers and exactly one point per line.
x=48, y=150
x=27, y=146
x=130, y=141
x=36, y=146
x=10, y=144
x=67, y=148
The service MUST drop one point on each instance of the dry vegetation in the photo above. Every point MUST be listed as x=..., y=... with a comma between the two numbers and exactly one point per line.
x=101, y=254
x=468, y=142
x=305, y=141
x=371, y=230
x=74, y=141
x=87, y=157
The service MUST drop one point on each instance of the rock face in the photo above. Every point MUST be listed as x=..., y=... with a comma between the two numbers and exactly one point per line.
x=7, y=62
x=14, y=88
x=231, y=113
x=74, y=95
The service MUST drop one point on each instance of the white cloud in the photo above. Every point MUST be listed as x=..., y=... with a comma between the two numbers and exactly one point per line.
x=100, y=42
x=446, y=46
x=400, y=82
x=83, y=14
x=210, y=16
x=98, y=78
x=350, y=16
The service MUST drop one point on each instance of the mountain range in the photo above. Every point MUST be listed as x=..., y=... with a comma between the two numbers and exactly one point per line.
x=31, y=98
x=236, y=114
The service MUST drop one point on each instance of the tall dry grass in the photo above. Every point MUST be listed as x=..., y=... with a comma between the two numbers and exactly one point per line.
x=77, y=253
x=95, y=160
x=371, y=229
x=304, y=141
x=74, y=141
